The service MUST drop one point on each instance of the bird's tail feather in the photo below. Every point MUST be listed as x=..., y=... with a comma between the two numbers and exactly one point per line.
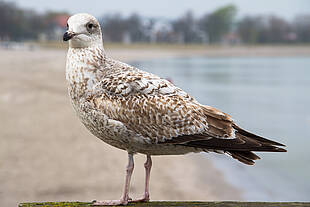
x=241, y=147
x=246, y=157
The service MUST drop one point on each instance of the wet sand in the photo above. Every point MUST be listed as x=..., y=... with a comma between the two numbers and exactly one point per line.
x=46, y=154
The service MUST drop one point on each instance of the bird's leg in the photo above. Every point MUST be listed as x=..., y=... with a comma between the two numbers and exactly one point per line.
x=124, y=199
x=129, y=171
x=148, y=166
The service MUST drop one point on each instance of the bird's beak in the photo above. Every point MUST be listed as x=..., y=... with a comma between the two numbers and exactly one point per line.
x=68, y=35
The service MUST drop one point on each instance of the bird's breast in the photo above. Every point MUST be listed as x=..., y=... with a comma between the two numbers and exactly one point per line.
x=81, y=74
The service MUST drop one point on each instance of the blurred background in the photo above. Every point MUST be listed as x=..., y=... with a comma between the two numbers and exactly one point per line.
x=201, y=22
x=248, y=59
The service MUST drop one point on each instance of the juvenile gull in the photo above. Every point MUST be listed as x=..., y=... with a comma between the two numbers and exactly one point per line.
x=142, y=113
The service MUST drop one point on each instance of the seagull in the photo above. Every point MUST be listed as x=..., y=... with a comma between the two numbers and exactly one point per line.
x=139, y=112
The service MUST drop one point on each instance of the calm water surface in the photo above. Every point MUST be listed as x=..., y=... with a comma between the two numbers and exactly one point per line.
x=268, y=96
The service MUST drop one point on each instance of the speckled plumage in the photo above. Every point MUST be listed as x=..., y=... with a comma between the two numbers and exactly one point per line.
x=142, y=113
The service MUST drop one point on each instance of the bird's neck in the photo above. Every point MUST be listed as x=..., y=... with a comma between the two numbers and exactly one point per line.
x=84, y=69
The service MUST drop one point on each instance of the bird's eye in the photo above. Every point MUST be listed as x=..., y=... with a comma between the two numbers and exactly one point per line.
x=90, y=26
x=67, y=26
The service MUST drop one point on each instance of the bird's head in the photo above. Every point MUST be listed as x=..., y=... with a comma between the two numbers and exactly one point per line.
x=83, y=30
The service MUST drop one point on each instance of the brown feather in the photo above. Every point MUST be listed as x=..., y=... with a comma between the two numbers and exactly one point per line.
x=240, y=147
x=242, y=158
x=256, y=137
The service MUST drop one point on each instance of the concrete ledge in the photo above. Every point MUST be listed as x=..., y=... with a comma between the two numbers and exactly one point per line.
x=176, y=203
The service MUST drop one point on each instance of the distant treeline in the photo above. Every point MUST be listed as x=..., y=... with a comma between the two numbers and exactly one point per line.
x=219, y=26
x=19, y=24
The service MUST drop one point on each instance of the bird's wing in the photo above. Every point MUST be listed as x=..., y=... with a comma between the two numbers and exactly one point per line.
x=155, y=108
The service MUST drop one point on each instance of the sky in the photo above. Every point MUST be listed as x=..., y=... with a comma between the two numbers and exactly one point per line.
x=170, y=8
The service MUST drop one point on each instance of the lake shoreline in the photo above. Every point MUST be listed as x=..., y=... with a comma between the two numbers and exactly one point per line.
x=151, y=51
x=223, y=51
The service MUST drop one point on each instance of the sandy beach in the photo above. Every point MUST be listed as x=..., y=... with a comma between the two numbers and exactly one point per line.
x=46, y=154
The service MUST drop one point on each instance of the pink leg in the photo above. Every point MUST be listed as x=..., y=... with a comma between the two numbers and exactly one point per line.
x=148, y=166
x=125, y=197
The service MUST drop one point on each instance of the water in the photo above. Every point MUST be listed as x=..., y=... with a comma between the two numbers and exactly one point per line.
x=269, y=96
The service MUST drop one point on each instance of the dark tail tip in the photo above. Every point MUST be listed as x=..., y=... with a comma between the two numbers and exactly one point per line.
x=280, y=149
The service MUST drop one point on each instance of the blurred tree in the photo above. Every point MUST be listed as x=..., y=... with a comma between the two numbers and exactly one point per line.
x=185, y=26
x=266, y=30
x=18, y=24
x=114, y=27
x=32, y=24
x=277, y=29
x=249, y=29
x=218, y=23
x=9, y=25
x=135, y=28
x=301, y=25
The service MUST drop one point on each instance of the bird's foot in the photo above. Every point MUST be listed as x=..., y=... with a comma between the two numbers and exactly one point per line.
x=144, y=199
x=110, y=202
